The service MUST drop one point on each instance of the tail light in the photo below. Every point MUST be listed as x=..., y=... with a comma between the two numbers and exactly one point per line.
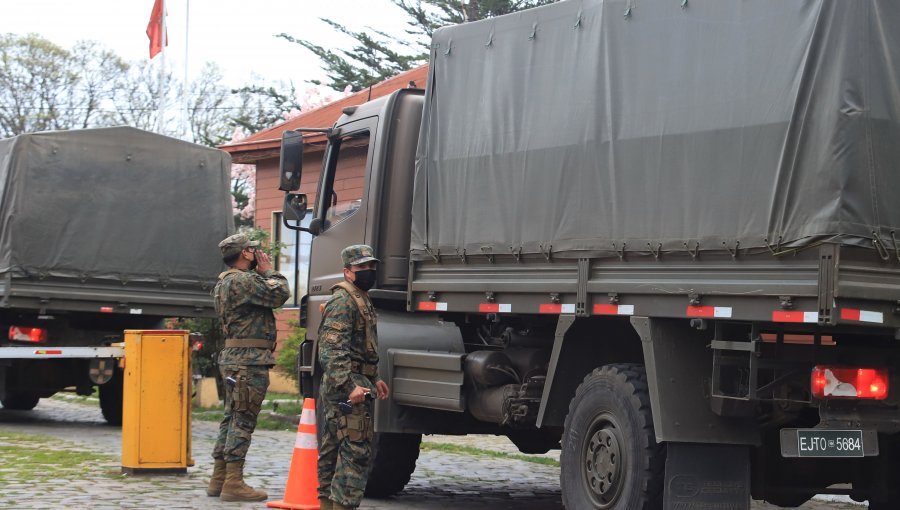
x=30, y=335
x=842, y=382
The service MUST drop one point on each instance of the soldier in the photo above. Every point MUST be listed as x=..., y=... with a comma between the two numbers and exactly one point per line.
x=348, y=352
x=244, y=296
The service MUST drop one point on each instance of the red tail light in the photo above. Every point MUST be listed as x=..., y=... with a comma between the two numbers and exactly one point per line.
x=837, y=382
x=30, y=335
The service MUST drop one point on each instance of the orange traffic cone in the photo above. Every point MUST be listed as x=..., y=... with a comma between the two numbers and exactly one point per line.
x=303, y=480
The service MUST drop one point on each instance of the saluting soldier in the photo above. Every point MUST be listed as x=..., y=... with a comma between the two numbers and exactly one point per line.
x=245, y=296
x=348, y=353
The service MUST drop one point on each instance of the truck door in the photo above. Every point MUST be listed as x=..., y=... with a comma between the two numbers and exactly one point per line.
x=341, y=205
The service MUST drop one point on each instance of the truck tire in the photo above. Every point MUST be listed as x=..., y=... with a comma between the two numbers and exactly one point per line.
x=610, y=458
x=111, y=398
x=392, y=463
x=20, y=402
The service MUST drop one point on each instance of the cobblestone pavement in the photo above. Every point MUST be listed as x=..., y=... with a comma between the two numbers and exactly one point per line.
x=442, y=480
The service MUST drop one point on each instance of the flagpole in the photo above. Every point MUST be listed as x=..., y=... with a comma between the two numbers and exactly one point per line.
x=162, y=71
x=184, y=85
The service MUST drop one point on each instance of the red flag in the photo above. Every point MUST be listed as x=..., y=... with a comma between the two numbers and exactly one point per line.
x=155, y=28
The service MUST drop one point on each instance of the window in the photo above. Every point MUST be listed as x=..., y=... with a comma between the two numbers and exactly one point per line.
x=294, y=260
x=343, y=185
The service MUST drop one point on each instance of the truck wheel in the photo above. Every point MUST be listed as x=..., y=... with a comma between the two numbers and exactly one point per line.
x=392, y=463
x=111, y=398
x=21, y=402
x=610, y=458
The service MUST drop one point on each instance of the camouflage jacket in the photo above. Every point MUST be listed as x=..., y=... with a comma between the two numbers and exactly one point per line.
x=244, y=303
x=342, y=347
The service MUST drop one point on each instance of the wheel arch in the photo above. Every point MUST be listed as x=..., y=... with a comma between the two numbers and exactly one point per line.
x=581, y=345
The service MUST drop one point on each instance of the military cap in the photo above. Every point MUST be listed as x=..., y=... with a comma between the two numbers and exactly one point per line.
x=232, y=245
x=358, y=254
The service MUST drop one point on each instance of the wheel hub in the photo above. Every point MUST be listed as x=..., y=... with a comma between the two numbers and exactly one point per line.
x=603, y=464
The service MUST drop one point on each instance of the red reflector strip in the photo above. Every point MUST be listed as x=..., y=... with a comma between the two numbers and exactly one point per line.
x=495, y=307
x=807, y=317
x=614, y=309
x=48, y=352
x=849, y=314
x=432, y=306
x=106, y=309
x=557, y=308
x=723, y=312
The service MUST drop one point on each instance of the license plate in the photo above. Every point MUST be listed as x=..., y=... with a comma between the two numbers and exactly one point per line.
x=830, y=443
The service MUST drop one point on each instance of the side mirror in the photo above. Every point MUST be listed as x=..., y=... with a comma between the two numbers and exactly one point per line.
x=291, y=160
x=294, y=208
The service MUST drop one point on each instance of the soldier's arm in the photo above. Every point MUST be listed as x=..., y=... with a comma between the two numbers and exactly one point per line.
x=334, y=338
x=269, y=289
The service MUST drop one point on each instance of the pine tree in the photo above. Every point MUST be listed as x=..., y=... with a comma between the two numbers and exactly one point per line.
x=377, y=55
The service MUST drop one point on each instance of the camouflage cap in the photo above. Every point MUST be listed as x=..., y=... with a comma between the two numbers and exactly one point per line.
x=232, y=245
x=358, y=254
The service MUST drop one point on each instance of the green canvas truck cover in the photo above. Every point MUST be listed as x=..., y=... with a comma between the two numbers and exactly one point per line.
x=583, y=126
x=113, y=204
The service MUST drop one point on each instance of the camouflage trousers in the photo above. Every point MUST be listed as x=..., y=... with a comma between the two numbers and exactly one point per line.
x=243, y=400
x=344, y=452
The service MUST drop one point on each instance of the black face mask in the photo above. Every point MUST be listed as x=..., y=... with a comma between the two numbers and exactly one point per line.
x=365, y=279
x=253, y=264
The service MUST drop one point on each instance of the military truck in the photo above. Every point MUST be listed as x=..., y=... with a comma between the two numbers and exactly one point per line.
x=659, y=235
x=103, y=230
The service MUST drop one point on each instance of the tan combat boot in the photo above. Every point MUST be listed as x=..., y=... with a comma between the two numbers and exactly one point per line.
x=217, y=480
x=325, y=504
x=235, y=489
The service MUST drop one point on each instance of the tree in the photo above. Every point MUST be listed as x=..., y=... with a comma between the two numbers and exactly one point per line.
x=35, y=80
x=377, y=55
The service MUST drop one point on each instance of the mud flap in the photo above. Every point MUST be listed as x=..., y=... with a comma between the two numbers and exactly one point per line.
x=706, y=476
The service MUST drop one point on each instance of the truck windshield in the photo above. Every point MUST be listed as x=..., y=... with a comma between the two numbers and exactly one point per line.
x=344, y=182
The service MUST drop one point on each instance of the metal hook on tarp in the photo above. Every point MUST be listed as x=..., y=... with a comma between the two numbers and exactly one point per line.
x=449, y=47
x=578, y=20
x=880, y=247
x=462, y=256
x=435, y=255
x=684, y=4
x=695, y=252
x=533, y=32
x=658, y=251
x=733, y=253
x=629, y=8
x=516, y=253
x=488, y=253
x=490, y=41
x=775, y=251
x=548, y=253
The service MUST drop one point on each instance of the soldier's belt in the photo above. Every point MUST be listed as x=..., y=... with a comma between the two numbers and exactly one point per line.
x=249, y=342
x=366, y=369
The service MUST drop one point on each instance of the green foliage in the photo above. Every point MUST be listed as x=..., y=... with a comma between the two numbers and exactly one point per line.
x=377, y=55
x=272, y=248
x=290, y=350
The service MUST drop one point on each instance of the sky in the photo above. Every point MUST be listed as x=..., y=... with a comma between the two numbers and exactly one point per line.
x=239, y=36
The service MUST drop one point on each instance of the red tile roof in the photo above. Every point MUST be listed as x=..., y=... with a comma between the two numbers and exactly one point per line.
x=267, y=143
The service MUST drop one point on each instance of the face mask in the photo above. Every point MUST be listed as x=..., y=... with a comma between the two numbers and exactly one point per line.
x=365, y=279
x=253, y=264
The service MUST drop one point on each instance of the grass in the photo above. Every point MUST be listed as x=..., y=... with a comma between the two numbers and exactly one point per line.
x=33, y=458
x=469, y=450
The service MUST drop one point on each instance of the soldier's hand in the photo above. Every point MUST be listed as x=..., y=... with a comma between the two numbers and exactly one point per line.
x=263, y=262
x=358, y=395
x=383, y=390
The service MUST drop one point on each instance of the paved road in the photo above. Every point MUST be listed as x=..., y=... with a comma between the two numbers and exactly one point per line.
x=442, y=480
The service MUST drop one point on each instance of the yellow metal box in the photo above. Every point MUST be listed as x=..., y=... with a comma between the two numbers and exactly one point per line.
x=156, y=407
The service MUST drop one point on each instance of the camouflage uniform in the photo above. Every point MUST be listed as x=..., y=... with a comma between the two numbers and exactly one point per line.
x=347, y=350
x=244, y=301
